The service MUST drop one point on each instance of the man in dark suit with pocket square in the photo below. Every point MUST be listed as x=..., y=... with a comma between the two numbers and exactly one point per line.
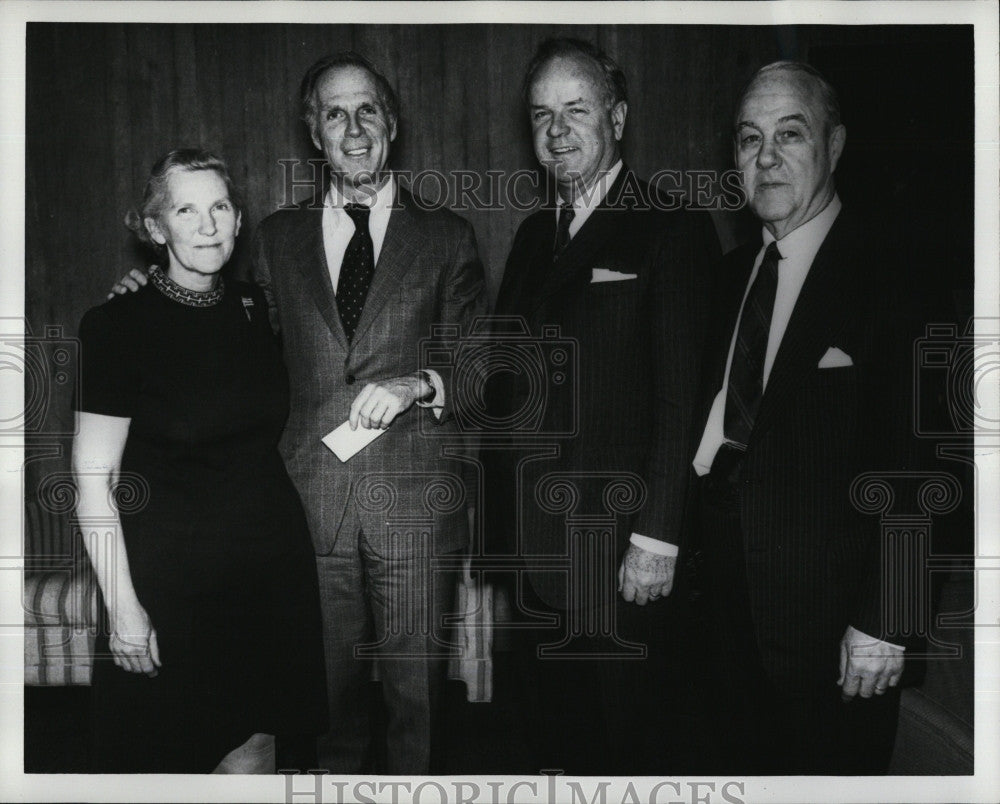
x=613, y=289
x=806, y=390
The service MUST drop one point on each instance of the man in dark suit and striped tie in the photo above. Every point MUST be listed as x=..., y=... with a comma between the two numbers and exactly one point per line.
x=805, y=392
x=602, y=480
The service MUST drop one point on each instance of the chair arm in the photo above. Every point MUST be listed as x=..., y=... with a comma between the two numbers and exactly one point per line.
x=930, y=740
x=61, y=597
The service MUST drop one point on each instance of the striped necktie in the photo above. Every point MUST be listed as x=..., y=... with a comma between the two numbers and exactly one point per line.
x=746, y=374
x=566, y=213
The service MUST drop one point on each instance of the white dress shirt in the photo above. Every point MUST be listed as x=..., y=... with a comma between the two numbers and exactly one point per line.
x=798, y=250
x=590, y=199
x=338, y=229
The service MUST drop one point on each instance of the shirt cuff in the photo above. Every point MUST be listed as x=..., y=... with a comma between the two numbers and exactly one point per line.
x=437, y=402
x=890, y=644
x=657, y=546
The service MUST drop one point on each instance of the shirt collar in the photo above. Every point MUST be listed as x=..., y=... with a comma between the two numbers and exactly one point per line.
x=806, y=239
x=593, y=196
x=381, y=201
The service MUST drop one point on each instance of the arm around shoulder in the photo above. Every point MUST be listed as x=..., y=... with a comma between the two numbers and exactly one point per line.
x=260, y=273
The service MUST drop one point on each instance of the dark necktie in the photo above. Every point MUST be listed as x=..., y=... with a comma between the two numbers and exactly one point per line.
x=566, y=213
x=746, y=374
x=356, y=270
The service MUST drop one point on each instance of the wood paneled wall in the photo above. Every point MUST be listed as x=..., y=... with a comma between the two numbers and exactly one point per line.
x=105, y=100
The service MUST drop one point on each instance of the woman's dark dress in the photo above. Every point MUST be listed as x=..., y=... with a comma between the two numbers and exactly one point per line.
x=214, y=531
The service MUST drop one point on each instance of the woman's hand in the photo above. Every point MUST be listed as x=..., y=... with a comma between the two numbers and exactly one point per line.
x=133, y=641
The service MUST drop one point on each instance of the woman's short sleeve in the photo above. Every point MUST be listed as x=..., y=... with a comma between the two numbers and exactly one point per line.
x=106, y=373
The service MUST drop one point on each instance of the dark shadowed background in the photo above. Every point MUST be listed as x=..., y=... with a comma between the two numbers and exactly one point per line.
x=105, y=100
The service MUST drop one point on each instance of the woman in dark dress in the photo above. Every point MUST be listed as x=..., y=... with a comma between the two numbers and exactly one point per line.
x=204, y=561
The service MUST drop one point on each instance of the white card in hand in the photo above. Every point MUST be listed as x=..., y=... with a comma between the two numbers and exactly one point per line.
x=346, y=442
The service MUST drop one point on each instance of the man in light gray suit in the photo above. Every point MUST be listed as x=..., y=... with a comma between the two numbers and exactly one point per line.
x=356, y=280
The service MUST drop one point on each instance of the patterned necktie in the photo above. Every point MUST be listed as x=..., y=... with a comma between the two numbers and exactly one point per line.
x=356, y=270
x=566, y=213
x=746, y=374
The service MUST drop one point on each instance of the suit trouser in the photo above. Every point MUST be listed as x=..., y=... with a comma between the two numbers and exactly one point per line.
x=761, y=728
x=591, y=714
x=391, y=606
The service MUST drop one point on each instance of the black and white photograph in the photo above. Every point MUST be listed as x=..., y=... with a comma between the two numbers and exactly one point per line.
x=500, y=402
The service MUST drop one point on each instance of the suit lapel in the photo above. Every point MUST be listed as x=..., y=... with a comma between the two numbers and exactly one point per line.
x=577, y=259
x=733, y=287
x=535, y=264
x=820, y=312
x=404, y=239
x=309, y=256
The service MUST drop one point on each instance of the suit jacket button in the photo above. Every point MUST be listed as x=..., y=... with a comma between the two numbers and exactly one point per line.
x=349, y=379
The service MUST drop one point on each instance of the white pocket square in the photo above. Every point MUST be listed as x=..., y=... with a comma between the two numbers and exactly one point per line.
x=607, y=275
x=835, y=358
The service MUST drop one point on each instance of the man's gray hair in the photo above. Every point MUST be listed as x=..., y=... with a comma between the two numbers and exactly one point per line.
x=808, y=74
x=348, y=58
x=614, y=84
